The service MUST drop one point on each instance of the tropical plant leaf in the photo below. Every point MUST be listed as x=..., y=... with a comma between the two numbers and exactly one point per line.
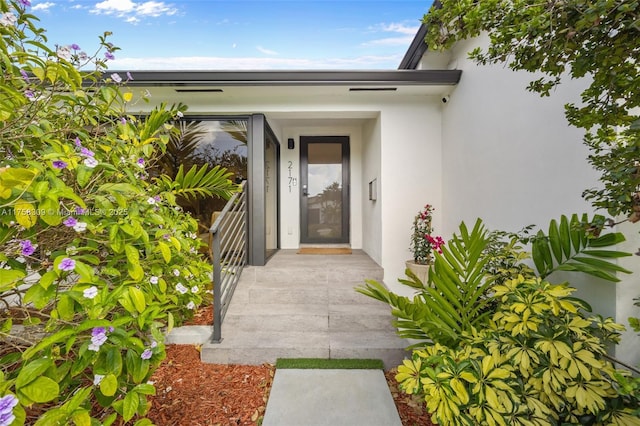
x=453, y=301
x=201, y=182
x=574, y=245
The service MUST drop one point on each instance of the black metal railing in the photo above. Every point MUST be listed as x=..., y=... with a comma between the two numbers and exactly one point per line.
x=229, y=253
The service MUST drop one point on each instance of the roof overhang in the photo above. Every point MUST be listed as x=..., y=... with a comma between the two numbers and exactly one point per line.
x=294, y=78
x=418, y=46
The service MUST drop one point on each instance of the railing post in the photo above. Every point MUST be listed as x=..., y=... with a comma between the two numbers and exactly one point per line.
x=217, y=288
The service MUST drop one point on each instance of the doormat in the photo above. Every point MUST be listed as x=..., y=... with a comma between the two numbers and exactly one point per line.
x=324, y=250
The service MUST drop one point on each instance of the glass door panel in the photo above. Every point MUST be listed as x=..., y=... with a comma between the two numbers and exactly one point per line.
x=325, y=195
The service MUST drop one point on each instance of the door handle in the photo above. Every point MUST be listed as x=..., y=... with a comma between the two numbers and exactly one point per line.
x=304, y=190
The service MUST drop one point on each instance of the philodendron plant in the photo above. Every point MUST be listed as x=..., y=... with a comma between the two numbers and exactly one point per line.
x=498, y=343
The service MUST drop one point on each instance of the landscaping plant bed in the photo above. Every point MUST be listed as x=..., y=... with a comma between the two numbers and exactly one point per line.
x=192, y=393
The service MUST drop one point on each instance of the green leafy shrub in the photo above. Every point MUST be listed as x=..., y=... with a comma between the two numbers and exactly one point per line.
x=97, y=260
x=498, y=344
x=539, y=362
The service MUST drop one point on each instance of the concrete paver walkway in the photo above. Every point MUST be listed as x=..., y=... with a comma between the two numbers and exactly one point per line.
x=330, y=398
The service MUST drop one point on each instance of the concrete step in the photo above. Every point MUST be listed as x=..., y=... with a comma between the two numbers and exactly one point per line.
x=258, y=348
x=304, y=306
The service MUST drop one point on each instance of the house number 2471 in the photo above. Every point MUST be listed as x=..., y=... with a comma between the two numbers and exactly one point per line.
x=293, y=181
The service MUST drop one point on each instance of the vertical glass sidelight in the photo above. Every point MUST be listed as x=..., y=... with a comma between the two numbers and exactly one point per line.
x=325, y=189
x=271, y=183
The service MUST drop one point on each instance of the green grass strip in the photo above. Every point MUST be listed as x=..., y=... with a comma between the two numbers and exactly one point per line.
x=335, y=363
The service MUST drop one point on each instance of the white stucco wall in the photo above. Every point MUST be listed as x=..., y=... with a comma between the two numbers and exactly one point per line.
x=371, y=209
x=411, y=177
x=510, y=158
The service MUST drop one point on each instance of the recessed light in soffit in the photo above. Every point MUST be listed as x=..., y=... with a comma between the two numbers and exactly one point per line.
x=373, y=89
x=199, y=90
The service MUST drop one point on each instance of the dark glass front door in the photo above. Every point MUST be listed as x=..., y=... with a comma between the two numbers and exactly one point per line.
x=324, y=167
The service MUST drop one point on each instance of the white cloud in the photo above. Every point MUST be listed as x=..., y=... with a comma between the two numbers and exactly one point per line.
x=115, y=6
x=155, y=9
x=266, y=51
x=403, y=35
x=390, y=41
x=400, y=28
x=253, y=63
x=43, y=6
x=133, y=12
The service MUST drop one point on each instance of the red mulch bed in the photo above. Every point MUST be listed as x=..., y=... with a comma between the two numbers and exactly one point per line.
x=192, y=393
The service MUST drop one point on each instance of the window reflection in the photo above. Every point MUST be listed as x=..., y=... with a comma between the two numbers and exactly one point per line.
x=212, y=142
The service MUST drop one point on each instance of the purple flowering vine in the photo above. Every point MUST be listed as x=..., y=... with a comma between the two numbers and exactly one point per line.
x=70, y=222
x=98, y=338
x=146, y=354
x=67, y=264
x=59, y=164
x=87, y=152
x=7, y=403
x=27, y=248
x=109, y=56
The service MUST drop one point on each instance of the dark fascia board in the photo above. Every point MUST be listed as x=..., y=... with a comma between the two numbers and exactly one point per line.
x=292, y=78
x=418, y=47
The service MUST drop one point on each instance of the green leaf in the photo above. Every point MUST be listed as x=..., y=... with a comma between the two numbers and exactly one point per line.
x=50, y=212
x=607, y=240
x=47, y=279
x=42, y=389
x=109, y=385
x=554, y=240
x=601, y=264
x=123, y=188
x=565, y=236
x=133, y=256
x=135, y=272
x=40, y=189
x=9, y=278
x=116, y=241
x=165, y=251
x=145, y=389
x=32, y=371
x=81, y=418
x=85, y=271
x=25, y=214
x=606, y=253
x=130, y=407
x=137, y=297
x=65, y=307
x=48, y=341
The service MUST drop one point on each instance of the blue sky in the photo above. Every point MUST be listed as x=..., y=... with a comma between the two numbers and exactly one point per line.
x=238, y=34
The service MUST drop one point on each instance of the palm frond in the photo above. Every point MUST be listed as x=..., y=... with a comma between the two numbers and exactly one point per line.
x=574, y=245
x=201, y=182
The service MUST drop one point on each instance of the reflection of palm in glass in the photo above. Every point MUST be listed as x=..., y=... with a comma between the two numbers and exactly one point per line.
x=212, y=142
